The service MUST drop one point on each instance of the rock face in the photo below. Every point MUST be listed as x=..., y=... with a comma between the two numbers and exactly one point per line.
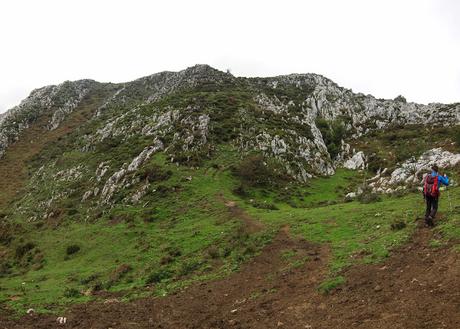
x=412, y=171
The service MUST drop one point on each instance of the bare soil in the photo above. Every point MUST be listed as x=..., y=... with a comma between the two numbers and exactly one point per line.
x=417, y=287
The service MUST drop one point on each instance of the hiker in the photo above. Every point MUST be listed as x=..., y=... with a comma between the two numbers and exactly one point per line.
x=431, y=193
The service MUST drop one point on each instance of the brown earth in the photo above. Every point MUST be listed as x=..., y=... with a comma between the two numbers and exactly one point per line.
x=417, y=287
x=249, y=224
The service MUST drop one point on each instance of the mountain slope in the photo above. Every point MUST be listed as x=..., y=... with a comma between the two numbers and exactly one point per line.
x=148, y=186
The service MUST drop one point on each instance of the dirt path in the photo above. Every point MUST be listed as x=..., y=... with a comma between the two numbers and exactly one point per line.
x=251, y=225
x=418, y=287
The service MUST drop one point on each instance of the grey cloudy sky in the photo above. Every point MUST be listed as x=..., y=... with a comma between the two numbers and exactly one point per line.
x=381, y=47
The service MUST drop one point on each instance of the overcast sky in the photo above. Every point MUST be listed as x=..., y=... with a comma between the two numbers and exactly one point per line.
x=381, y=47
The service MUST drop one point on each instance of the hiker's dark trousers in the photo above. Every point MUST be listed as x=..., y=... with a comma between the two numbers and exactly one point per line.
x=431, y=207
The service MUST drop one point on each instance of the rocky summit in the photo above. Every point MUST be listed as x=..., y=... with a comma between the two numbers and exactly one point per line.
x=146, y=187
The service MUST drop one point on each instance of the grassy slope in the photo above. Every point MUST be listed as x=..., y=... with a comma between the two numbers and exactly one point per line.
x=197, y=238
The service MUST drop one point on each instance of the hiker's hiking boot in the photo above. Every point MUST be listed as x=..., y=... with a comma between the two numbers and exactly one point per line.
x=429, y=221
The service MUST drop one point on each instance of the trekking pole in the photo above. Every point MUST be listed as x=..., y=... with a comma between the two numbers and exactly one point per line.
x=450, y=201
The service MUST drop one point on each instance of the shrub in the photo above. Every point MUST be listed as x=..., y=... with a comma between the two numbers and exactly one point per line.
x=154, y=173
x=256, y=171
x=72, y=249
x=23, y=249
x=333, y=132
x=89, y=279
x=398, y=225
x=189, y=267
x=119, y=273
x=71, y=293
x=375, y=162
x=159, y=275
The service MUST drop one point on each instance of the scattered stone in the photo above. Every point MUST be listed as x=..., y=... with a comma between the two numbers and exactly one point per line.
x=350, y=196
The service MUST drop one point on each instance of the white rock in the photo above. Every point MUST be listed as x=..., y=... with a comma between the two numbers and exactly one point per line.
x=350, y=195
x=358, y=161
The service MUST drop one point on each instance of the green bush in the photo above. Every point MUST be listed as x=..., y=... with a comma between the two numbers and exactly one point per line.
x=23, y=249
x=333, y=132
x=89, y=279
x=72, y=249
x=154, y=173
x=71, y=293
x=118, y=274
x=159, y=275
x=256, y=171
x=189, y=267
x=398, y=225
x=375, y=162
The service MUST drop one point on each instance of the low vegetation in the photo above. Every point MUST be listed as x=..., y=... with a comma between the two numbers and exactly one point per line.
x=193, y=212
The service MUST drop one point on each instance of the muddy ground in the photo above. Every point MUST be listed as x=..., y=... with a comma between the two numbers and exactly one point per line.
x=417, y=287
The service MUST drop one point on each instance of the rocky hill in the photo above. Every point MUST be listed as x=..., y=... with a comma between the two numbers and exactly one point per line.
x=178, y=177
x=305, y=122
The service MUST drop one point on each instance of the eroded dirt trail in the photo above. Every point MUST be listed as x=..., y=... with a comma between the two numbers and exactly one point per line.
x=417, y=287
